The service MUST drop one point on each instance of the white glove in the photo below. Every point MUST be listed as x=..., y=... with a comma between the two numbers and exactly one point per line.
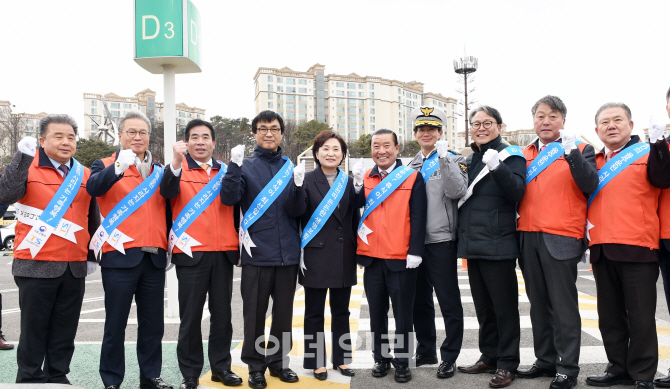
x=656, y=129
x=491, y=159
x=299, y=174
x=413, y=261
x=359, y=171
x=568, y=140
x=28, y=146
x=125, y=160
x=237, y=155
x=442, y=147
x=91, y=267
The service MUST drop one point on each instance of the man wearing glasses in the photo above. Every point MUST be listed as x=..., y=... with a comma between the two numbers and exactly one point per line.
x=133, y=243
x=270, y=247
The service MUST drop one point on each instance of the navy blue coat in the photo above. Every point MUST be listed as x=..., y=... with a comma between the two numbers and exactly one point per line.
x=275, y=234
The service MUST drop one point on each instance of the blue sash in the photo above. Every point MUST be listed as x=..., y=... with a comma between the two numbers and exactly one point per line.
x=551, y=153
x=325, y=209
x=265, y=198
x=430, y=165
x=108, y=231
x=617, y=164
x=52, y=216
x=381, y=192
x=192, y=210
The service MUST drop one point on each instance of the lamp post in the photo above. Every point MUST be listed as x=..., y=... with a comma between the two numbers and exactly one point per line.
x=465, y=66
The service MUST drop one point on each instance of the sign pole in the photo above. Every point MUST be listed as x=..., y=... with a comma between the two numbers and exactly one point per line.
x=169, y=138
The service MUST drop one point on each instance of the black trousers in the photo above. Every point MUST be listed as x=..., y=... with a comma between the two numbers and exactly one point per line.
x=315, y=344
x=495, y=292
x=146, y=283
x=438, y=271
x=626, y=312
x=213, y=275
x=554, y=308
x=665, y=272
x=50, y=309
x=381, y=283
x=0, y=313
x=259, y=284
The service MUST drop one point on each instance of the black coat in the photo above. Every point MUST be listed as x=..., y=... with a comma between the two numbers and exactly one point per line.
x=487, y=220
x=330, y=257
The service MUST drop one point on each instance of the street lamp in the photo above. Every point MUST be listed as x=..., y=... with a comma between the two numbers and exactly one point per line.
x=465, y=66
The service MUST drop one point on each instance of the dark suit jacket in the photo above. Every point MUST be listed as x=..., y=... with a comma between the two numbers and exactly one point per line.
x=102, y=179
x=330, y=257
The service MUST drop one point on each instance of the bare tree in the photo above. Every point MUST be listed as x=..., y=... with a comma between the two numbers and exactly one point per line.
x=12, y=127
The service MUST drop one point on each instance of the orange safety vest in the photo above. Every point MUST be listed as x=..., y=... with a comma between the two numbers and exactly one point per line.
x=42, y=184
x=625, y=211
x=215, y=227
x=553, y=202
x=389, y=222
x=146, y=225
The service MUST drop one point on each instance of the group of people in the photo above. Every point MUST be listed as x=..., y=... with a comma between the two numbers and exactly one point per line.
x=544, y=205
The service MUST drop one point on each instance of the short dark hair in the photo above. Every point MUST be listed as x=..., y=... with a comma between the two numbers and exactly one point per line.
x=614, y=105
x=383, y=131
x=58, y=119
x=198, y=122
x=667, y=95
x=489, y=111
x=322, y=137
x=554, y=102
x=267, y=117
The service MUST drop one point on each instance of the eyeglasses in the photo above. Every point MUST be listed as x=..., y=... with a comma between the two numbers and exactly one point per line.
x=133, y=133
x=264, y=130
x=487, y=124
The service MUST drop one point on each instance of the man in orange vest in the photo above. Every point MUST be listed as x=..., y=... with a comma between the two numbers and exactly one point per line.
x=623, y=231
x=204, y=253
x=49, y=188
x=655, y=129
x=552, y=241
x=391, y=241
x=133, y=243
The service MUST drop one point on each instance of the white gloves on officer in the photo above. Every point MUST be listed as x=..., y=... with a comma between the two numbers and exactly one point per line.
x=491, y=159
x=442, y=147
x=125, y=160
x=28, y=146
x=358, y=171
x=568, y=140
x=237, y=155
x=91, y=267
x=656, y=129
x=299, y=174
x=413, y=261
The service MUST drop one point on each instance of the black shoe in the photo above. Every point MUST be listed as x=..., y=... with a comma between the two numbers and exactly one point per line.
x=421, y=360
x=663, y=382
x=446, y=370
x=344, y=372
x=535, y=371
x=562, y=381
x=403, y=374
x=321, y=376
x=609, y=379
x=644, y=385
x=113, y=386
x=285, y=375
x=257, y=380
x=154, y=383
x=380, y=369
x=189, y=383
x=227, y=377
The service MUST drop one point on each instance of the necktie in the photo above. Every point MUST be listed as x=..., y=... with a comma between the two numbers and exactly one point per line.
x=543, y=147
x=383, y=173
x=64, y=169
x=609, y=155
x=205, y=166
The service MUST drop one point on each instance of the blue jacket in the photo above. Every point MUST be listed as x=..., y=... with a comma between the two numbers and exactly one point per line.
x=275, y=234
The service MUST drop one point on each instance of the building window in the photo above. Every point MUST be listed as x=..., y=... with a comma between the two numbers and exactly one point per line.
x=290, y=81
x=340, y=109
x=115, y=114
x=280, y=80
x=352, y=119
x=271, y=104
x=372, y=102
x=372, y=111
x=361, y=86
x=361, y=94
x=270, y=87
x=302, y=90
x=361, y=111
x=290, y=98
x=340, y=118
x=126, y=106
x=93, y=127
x=351, y=110
x=361, y=102
x=372, y=119
x=115, y=105
x=352, y=127
x=351, y=85
x=302, y=107
x=339, y=84
x=372, y=127
x=269, y=78
x=340, y=127
x=270, y=96
x=302, y=81
x=290, y=115
x=371, y=86
x=290, y=89
x=372, y=95
x=94, y=103
x=302, y=98
x=362, y=127
x=339, y=93
x=351, y=94
x=340, y=101
x=351, y=102
x=280, y=88
x=280, y=106
x=280, y=97
x=302, y=116
x=94, y=111
x=290, y=107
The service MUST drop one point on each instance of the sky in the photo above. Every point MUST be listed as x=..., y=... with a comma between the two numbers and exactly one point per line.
x=586, y=52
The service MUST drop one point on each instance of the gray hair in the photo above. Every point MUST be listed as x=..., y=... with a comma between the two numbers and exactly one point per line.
x=555, y=103
x=134, y=115
x=60, y=118
x=614, y=105
x=489, y=111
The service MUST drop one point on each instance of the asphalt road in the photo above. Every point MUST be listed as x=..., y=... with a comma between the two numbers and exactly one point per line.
x=90, y=332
